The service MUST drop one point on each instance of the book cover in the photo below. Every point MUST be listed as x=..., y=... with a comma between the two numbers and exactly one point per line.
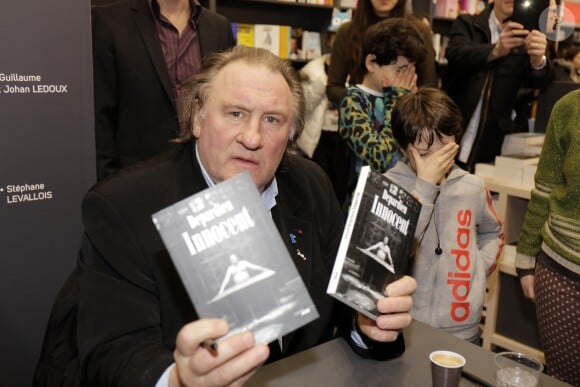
x=339, y=16
x=233, y=262
x=467, y=6
x=245, y=34
x=267, y=36
x=376, y=243
x=296, y=44
x=446, y=9
x=311, y=44
x=234, y=27
x=285, y=41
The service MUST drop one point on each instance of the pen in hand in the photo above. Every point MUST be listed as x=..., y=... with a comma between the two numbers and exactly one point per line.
x=209, y=344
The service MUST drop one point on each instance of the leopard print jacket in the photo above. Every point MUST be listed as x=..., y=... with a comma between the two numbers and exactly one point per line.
x=365, y=125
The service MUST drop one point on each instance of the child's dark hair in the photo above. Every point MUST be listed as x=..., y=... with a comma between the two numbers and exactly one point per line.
x=364, y=16
x=571, y=52
x=426, y=114
x=391, y=38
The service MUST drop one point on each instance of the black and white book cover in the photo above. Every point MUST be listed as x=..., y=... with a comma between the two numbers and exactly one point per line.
x=376, y=242
x=233, y=262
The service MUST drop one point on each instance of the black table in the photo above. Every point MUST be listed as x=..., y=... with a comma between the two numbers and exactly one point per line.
x=335, y=364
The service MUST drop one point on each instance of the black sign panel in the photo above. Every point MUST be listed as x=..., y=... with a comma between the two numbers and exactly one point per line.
x=46, y=164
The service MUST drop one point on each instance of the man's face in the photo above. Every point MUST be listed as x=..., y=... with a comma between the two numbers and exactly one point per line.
x=503, y=9
x=382, y=8
x=244, y=124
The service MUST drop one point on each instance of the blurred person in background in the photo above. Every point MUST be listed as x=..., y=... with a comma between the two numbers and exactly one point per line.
x=347, y=55
x=568, y=66
x=490, y=58
x=143, y=53
x=320, y=135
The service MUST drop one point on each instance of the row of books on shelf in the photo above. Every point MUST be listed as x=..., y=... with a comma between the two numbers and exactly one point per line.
x=518, y=161
x=320, y=2
x=337, y=3
x=284, y=41
x=451, y=8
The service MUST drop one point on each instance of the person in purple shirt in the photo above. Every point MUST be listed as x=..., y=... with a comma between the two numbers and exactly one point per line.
x=143, y=52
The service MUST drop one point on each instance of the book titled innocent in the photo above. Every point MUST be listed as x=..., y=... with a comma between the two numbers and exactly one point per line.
x=233, y=262
x=376, y=242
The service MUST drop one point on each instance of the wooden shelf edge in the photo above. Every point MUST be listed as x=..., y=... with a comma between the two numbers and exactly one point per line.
x=289, y=3
x=510, y=190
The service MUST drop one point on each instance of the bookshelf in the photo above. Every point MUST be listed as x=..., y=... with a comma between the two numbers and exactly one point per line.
x=301, y=17
x=309, y=17
x=312, y=17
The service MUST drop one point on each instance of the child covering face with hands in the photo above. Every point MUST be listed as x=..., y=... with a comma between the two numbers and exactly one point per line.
x=459, y=236
x=390, y=50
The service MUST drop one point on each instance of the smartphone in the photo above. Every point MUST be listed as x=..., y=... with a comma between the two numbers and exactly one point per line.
x=528, y=12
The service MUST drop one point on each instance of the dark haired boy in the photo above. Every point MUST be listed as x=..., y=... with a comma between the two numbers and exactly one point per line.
x=459, y=236
x=390, y=50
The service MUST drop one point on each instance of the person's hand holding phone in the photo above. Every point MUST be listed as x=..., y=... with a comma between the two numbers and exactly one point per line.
x=536, y=44
x=512, y=35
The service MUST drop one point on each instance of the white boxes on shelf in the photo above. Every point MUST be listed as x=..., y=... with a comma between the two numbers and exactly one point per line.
x=522, y=143
x=516, y=169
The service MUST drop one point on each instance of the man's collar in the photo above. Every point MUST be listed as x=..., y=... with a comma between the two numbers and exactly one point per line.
x=194, y=4
x=498, y=22
x=494, y=21
x=268, y=196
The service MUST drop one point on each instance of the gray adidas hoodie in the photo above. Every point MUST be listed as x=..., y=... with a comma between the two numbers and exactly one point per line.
x=459, y=217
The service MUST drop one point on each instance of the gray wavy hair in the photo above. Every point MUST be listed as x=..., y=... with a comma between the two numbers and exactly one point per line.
x=198, y=88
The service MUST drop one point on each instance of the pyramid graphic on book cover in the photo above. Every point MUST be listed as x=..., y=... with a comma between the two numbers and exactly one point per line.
x=376, y=243
x=233, y=262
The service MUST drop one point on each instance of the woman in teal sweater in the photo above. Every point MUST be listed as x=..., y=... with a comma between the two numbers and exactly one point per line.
x=548, y=259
